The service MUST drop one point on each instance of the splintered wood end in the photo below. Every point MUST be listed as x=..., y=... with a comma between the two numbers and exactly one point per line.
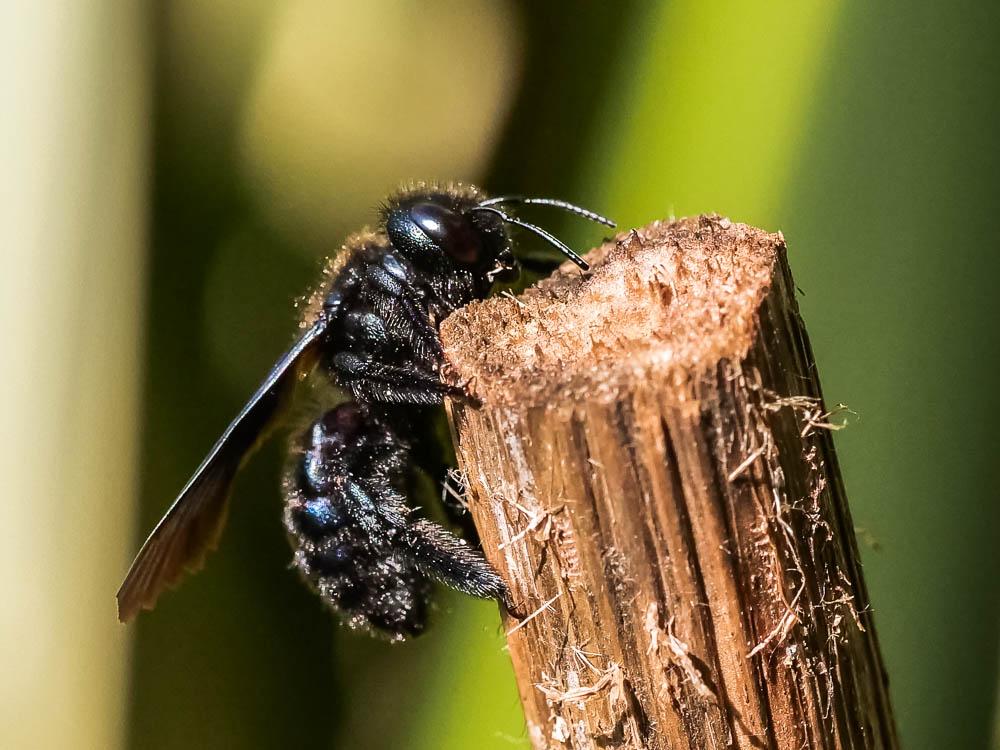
x=670, y=298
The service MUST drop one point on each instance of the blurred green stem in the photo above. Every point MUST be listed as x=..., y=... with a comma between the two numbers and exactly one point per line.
x=72, y=214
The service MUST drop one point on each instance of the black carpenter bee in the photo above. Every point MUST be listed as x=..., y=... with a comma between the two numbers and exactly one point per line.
x=371, y=329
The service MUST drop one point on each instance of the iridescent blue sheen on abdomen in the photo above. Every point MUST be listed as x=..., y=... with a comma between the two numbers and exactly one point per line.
x=343, y=510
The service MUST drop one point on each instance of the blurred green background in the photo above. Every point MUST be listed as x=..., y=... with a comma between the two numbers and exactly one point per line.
x=175, y=171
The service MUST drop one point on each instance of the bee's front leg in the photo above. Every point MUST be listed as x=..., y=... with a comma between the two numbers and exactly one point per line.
x=371, y=380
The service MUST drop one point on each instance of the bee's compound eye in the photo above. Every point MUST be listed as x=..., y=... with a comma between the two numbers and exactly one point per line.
x=450, y=231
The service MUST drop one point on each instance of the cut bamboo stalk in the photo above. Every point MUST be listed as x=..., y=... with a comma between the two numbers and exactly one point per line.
x=652, y=471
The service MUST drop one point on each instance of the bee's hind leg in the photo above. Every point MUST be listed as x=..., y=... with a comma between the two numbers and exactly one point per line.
x=446, y=558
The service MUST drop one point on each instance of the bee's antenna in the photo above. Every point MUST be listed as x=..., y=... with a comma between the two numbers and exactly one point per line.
x=554, y=202
x=551, y=239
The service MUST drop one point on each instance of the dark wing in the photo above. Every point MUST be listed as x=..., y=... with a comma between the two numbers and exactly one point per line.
x=191, y=527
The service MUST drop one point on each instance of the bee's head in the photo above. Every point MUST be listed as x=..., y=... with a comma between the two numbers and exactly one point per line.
x=439, y=229
x=456, y=227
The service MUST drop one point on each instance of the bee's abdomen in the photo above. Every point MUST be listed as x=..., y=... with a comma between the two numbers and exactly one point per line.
x=343, y=513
